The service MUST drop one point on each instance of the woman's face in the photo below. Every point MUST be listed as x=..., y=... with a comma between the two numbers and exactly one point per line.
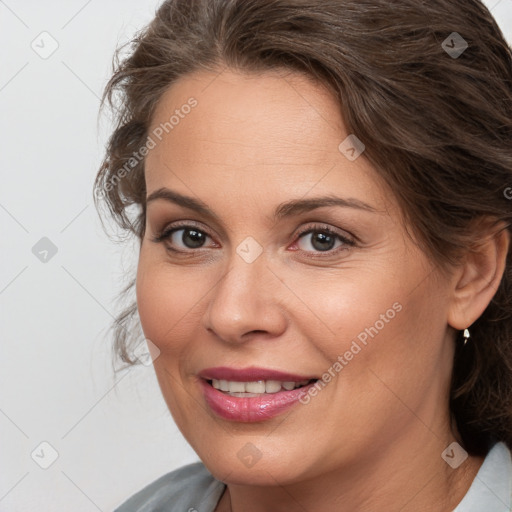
x=268, y=276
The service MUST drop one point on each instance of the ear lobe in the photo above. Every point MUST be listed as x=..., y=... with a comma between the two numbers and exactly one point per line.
x=479, y=277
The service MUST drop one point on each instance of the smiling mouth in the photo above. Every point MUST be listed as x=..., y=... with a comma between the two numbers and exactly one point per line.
x=256, y=388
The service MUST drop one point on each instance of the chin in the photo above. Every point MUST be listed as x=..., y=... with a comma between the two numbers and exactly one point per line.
x=251, y=460
x=263, y=473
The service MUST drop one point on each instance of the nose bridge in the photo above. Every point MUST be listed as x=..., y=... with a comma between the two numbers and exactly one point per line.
x=244, y=299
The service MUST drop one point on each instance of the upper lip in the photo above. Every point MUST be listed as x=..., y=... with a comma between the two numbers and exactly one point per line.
x=251, y=374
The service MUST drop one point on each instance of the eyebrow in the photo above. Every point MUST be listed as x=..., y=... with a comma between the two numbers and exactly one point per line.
x=286, y=209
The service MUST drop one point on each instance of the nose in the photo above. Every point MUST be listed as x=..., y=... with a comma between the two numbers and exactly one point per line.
x=246, y=302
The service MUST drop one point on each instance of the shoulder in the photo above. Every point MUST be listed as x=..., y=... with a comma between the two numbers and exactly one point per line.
x=187, y=489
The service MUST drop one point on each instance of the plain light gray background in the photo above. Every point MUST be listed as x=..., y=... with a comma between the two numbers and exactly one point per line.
x=113, y=434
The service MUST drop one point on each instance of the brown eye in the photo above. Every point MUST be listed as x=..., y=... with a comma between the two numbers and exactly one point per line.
x=182, y=238
x=322, y=239
x=191, y=238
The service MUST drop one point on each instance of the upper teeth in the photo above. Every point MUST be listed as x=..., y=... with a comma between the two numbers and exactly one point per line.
x=260, y=386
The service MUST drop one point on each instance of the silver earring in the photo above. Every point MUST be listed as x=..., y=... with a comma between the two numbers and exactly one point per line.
x=466, y=336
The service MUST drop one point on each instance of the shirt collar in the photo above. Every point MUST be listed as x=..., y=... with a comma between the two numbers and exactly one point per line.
x=491, y=489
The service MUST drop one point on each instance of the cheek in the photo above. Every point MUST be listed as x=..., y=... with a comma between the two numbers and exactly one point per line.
x=168, y=301
x=390, y=322
x=392, y=352
x=348, y=305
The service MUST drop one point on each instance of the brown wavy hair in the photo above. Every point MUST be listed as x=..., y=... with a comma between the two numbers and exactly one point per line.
x=437, y=126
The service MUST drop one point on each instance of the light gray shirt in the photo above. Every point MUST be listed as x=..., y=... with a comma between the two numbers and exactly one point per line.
x=193, y=489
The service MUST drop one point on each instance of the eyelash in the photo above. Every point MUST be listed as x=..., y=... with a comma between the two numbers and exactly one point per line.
x=319, y=228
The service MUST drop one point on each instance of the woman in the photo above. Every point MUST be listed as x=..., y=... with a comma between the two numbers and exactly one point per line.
x=321, y=191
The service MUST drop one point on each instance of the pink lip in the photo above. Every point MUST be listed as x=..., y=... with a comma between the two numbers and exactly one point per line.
x=251, y=374
x=250, y=409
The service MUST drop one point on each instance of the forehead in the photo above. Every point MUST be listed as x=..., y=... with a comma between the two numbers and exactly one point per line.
x=260, y=134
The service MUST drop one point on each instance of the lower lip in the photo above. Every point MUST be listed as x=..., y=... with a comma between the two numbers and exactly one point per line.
x=251, y=409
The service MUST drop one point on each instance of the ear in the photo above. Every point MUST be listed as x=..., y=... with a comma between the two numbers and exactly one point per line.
x=479, y=275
